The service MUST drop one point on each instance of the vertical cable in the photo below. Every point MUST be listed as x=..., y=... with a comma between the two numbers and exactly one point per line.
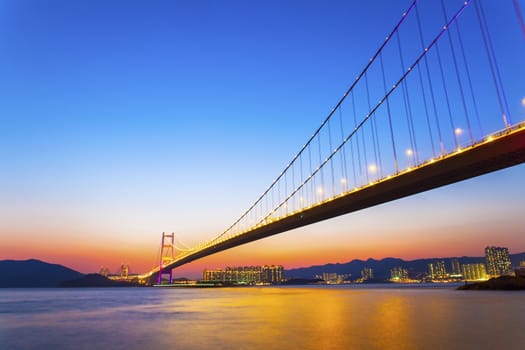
x=458, y=78
x=446, y=95
x=343, y=153
x=520, y=17
x=302, y=196
x=424, y=93
x=408, y=110
x=357, y=140
x=436, y=119
x=371, y=126
x=469, y=80
x=379, y=161
x=267, y=209
x=427, y=117
x=293, y=186
x=320, y=162
x=286, y=192
x=396, y=166
x=331, y=163
x=506, y=117
x=311, y=172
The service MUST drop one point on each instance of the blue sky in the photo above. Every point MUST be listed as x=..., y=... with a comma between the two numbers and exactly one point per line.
x=123, y=119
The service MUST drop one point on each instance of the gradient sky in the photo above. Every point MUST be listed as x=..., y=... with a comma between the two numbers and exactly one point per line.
x=123, y=119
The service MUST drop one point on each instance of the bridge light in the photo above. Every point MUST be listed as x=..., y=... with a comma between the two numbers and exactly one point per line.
x=523, y=102
x=409, y=152
x=372, y=168
x=458, y=131
x=343, y=180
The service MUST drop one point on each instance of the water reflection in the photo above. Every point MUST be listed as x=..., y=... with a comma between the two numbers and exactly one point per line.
x=261, y=318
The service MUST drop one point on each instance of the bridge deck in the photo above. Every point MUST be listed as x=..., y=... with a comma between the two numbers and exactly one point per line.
x=494, y=153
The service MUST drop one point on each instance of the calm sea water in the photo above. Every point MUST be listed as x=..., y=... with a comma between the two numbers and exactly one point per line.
x=319, y=317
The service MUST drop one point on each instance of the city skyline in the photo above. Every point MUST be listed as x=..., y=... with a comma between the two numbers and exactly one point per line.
x=121, y=121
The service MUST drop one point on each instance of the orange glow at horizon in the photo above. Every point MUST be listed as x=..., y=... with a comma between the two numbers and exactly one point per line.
x=456, y=220
x=338, y=240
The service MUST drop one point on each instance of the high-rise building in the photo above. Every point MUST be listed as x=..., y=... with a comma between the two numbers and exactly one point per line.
x=498, y=261
x=272, y=274
x=124, y=271
x=398, y=274
x=437, y=270
x=214, y=275
x=245, y=274
x=456, y=268
x=367, y=274
x=330, y=277
x=474, y=272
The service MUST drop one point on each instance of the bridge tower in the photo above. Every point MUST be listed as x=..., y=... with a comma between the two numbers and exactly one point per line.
x=166, y=255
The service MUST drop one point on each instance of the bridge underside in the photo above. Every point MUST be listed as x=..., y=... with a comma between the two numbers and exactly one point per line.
x=502, y=152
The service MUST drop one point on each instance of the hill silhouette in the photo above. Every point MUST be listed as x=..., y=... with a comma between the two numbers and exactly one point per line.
x=34, y=273
x=382, y=267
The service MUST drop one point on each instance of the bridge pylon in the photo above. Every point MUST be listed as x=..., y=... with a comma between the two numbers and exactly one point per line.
x=167, y=255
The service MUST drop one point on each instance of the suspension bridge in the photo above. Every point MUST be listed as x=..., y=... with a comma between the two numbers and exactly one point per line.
x=430, y=108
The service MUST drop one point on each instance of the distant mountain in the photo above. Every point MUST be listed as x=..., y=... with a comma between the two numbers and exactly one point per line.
x=382, y=267
x=34, y=273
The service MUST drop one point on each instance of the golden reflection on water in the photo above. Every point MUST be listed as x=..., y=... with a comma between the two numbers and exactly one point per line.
x=317, y=317
x=301, y=318
x=336, y=318
x=392, y=323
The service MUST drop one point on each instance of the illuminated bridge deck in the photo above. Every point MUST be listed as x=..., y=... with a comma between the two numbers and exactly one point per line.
x=495, y=152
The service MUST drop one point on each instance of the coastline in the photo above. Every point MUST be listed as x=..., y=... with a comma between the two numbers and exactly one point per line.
x=498, y=283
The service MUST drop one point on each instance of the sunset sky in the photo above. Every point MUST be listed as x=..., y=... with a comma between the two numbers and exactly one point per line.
x=123, y=119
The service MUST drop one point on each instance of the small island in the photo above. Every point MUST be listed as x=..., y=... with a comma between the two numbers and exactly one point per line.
x=498, y=283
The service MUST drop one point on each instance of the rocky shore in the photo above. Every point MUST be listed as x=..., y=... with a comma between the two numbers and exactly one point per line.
x=499, y=283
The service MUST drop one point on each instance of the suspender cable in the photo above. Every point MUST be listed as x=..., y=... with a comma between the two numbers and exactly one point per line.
x=286, y=190
x=432, y=97
x=520, y=17
x=469, y=80
x=372, y=129
x=360, y=166
x=493, y=65
x=406, y=100
x=446, y=96
x=343, y=153
x=331, y=163
x=420, y=76
x=310, y=172
x=396, y=166
x=400, y=22
x=387, y=95
x=458, y=78
x=321, y=187
x=491, y=46
x=293, y=184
